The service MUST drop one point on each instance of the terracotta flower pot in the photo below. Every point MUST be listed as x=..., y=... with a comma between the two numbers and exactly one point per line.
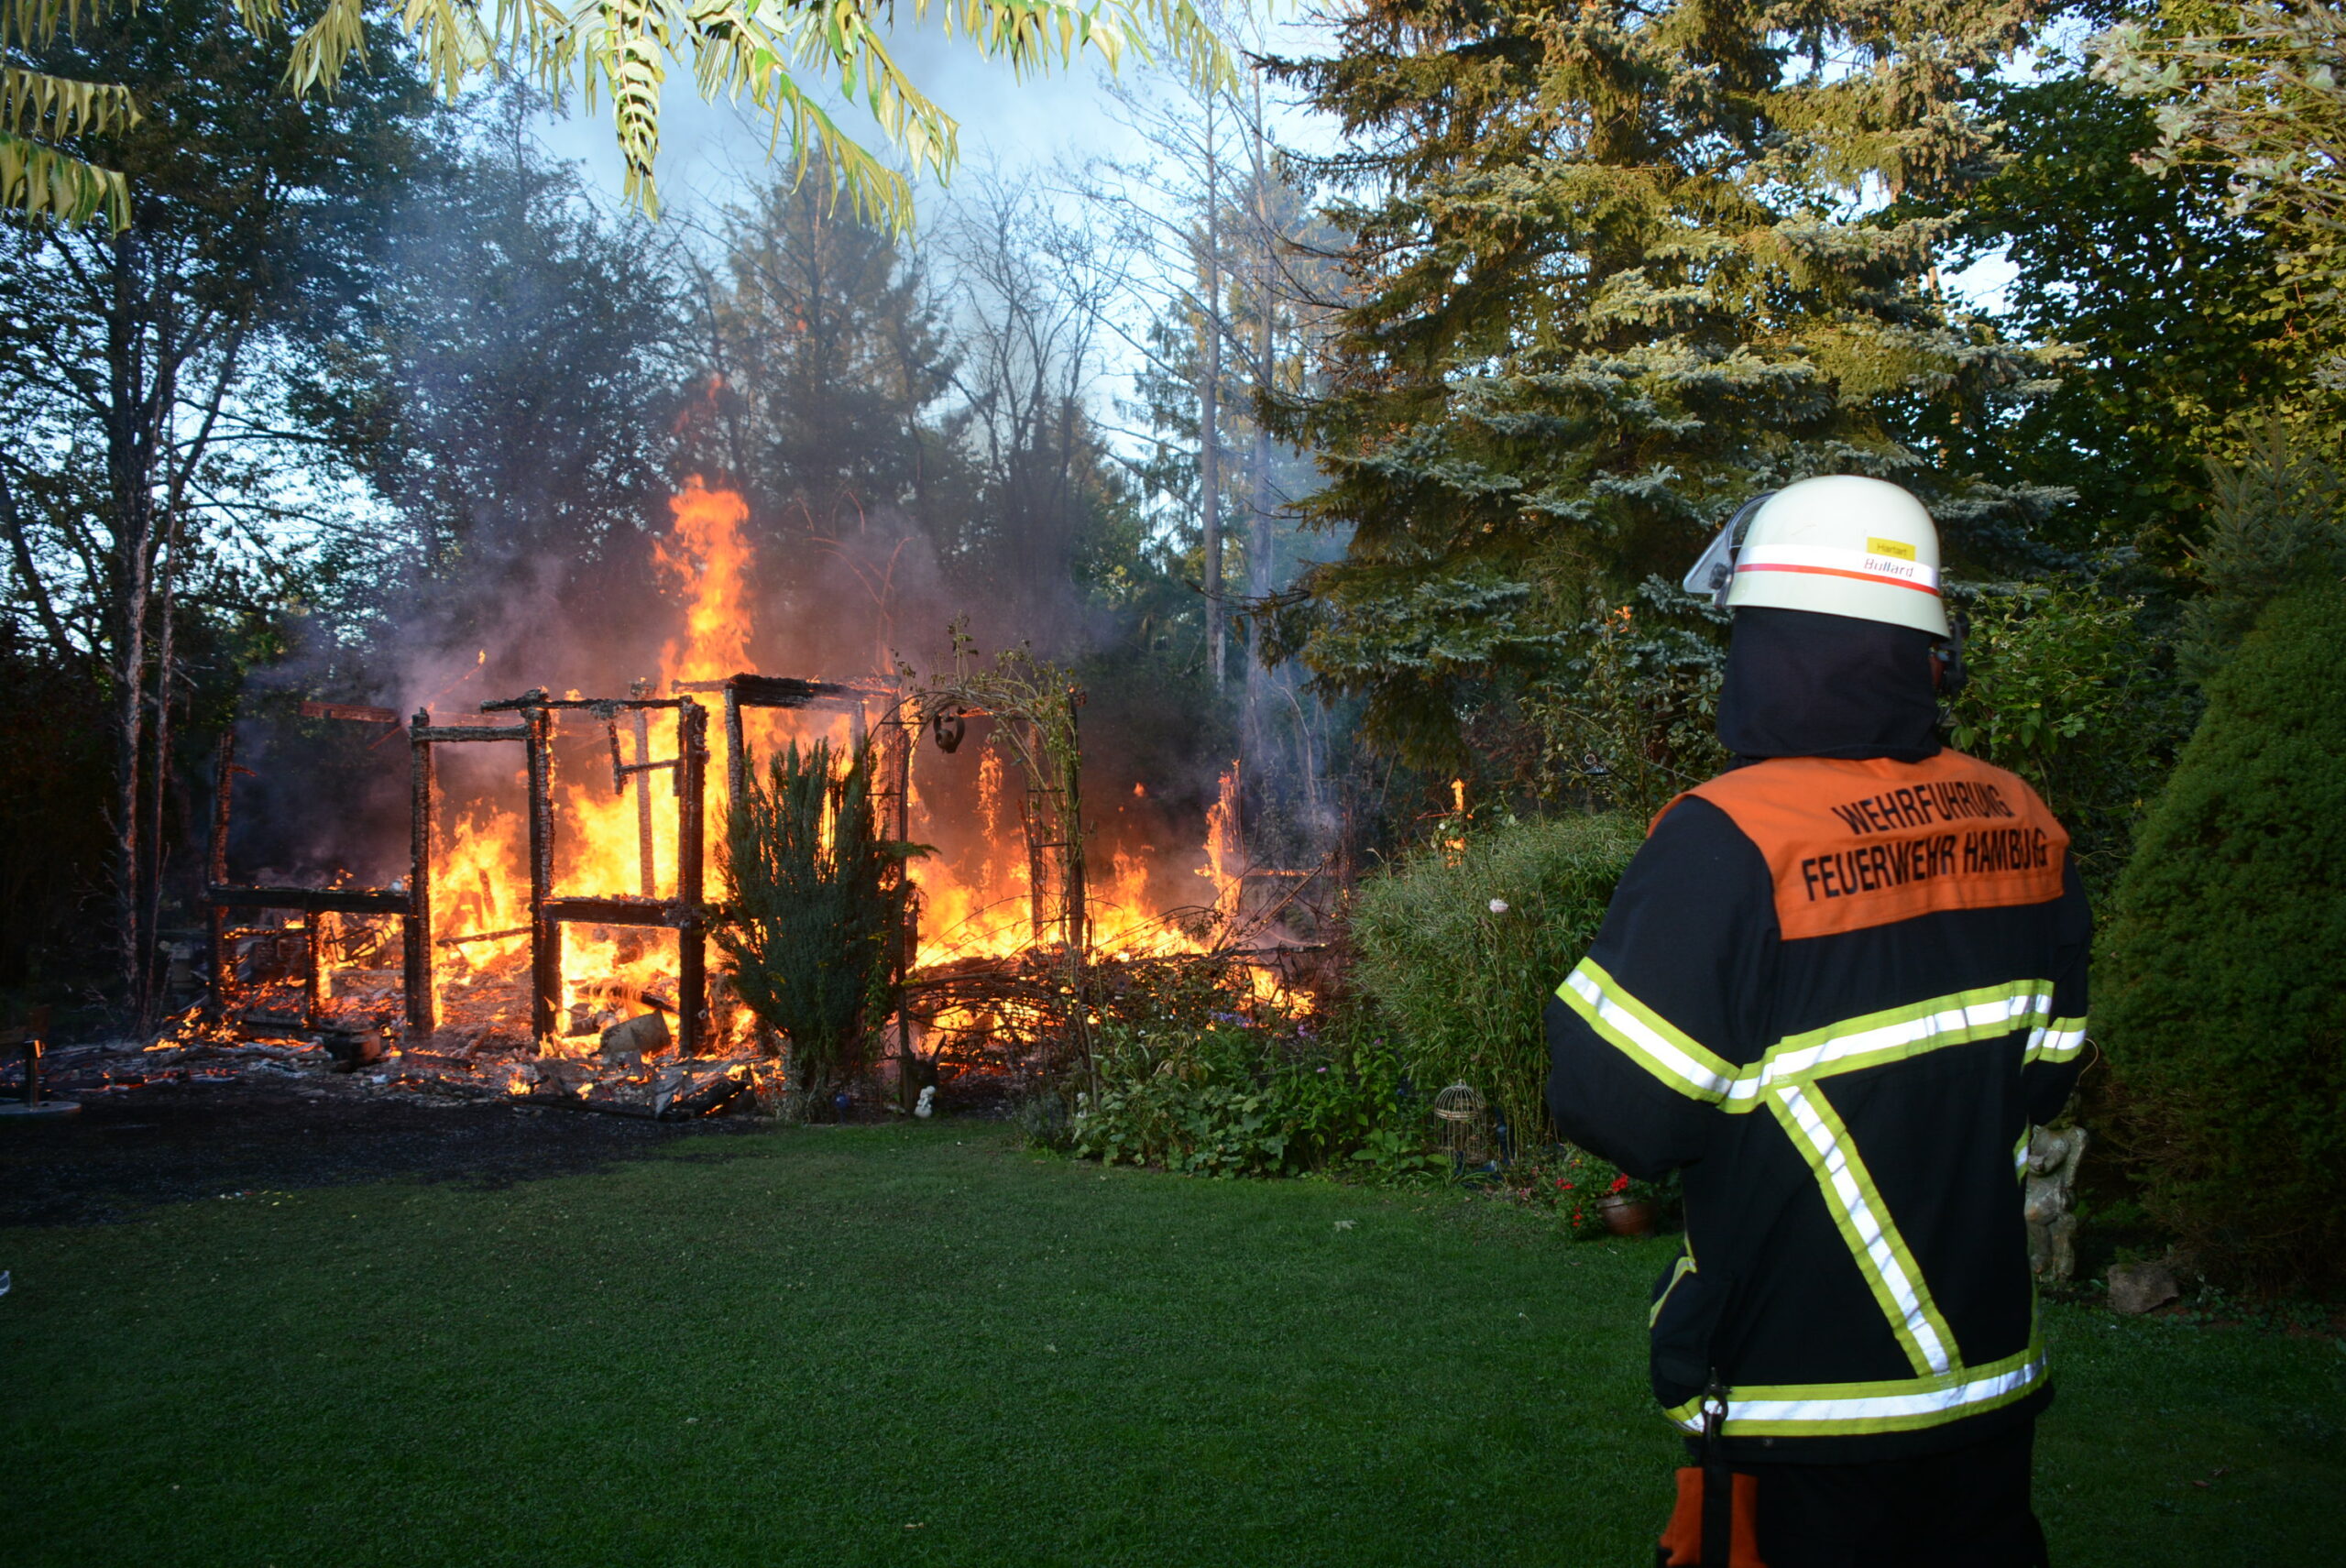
x=1628, y=1216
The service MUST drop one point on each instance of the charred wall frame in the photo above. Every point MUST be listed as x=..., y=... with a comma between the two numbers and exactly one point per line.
x=687, y=913
x=221, y=895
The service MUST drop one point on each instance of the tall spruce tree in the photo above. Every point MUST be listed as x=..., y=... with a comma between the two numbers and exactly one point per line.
x=1616, y=267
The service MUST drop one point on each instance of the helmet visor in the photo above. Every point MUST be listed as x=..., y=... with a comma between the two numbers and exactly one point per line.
x=1714, y=571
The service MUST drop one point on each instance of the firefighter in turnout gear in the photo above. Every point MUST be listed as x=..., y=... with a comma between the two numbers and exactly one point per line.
x=1835, y=989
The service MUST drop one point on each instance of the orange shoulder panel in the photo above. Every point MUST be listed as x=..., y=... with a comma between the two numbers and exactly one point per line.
x=1854, y=844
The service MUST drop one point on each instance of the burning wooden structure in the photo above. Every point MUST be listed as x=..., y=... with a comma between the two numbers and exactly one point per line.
x=1050, y=816
x=536, y=938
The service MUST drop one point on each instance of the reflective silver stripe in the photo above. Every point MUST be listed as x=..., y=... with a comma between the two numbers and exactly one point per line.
x=1868, y=1231
x=1952, y=1022
x=1906, y=574
x=2060, y=1040
x=1872, y=1412
x=1635, y=1029
x=1685, y=1065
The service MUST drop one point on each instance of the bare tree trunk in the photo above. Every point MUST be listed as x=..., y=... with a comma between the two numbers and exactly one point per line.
x=157, y=785
x=1256, y=727
x=1209, y=403
x=130, y=725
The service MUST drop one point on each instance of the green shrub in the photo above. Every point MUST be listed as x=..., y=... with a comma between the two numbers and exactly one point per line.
x=2274, y=521
x=817, y=906
x=2067, y=690
x=1465, y=983
x=2223, y=985
x=1239, y=1099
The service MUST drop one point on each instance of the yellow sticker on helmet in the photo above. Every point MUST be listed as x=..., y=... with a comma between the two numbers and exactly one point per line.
x=1903, y=550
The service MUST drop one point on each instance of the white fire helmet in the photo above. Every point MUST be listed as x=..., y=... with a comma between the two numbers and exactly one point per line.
x=1840, y=546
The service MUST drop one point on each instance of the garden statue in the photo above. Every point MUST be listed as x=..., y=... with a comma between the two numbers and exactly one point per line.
x=2051, y=1180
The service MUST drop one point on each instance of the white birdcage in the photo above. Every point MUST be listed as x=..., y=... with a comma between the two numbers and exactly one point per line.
x=1462, y=1118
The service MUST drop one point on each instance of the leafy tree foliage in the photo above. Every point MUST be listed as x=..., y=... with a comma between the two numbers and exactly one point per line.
x=2254, y=91
x=2168, y=307
x=44, y=115
x=507, y=388
x=2069, y=690
x=827, y=359
x=1614, y=268
x=2220, y=1008
x=2278, y=520
x=134, y=364
x=596, y=47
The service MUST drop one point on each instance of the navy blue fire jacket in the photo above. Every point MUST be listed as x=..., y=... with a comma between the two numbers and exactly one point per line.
x=1835, y=992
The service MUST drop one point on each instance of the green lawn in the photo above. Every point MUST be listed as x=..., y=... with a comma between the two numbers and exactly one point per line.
x=920, y=1344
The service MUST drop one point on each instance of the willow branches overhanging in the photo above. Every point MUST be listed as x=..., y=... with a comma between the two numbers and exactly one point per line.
x=767, y=51
x=770, y=53
x=39, y=178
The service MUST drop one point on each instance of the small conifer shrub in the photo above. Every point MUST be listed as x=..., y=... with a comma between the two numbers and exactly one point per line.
x=818, y=904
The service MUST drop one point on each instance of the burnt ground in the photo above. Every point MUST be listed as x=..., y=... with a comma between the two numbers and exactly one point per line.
x=169, y=1142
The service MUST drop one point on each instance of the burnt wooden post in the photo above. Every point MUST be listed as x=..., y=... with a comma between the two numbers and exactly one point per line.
x=737, y=755
x=1071, y=874
x=692, y=918
x=314, y=946
x=422, y=1006
x=896, y=741
x=640, y=722
x=545, y=934
x=903, y=771
x=907, y=953
x=1037, y=807
x=1078, y=927
x=223, y=968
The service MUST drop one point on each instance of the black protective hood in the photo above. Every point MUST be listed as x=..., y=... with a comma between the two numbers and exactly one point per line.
x=1800, y=683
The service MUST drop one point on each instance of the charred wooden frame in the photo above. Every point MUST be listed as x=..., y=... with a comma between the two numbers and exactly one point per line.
x=746, y=690
x=686, y=913
x=221, y=895
x=422, y=735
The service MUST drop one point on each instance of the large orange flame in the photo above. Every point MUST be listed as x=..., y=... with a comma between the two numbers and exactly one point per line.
x=973, y=902
x=708, y=561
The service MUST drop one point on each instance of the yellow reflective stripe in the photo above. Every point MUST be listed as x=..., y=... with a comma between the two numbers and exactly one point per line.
x=1894, y=1035
x=2060, y=1040
x=1871, y=1039
x=1848, y=1410
x=2019, y=1152
x=1685, y=1267
x=1881, y=1253
x=1642, y=1035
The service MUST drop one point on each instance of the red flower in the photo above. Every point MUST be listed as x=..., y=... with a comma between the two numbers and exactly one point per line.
x=1620, y=1184
x=1562, y=1183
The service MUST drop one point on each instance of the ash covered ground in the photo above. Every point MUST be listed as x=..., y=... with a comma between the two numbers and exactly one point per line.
x=177, y=1141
